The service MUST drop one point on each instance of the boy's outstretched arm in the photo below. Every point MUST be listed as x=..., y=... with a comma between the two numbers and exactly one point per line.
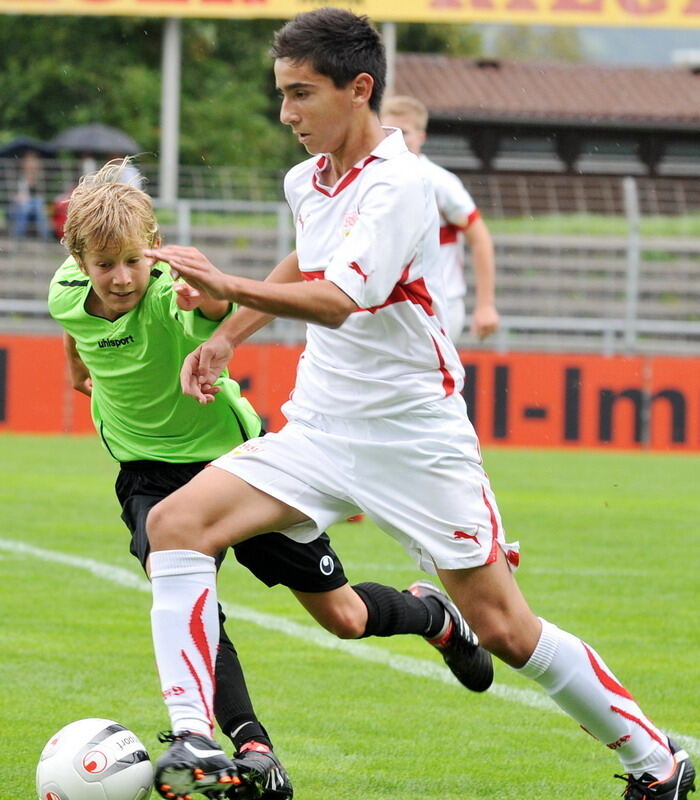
x=485, y=320
x=317, y=301
x=79, y=373
x=203, y=366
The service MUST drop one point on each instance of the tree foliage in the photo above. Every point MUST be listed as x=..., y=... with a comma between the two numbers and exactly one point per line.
x=65, y=71
x=538, y=43
x=60, y=71
x=454, y=40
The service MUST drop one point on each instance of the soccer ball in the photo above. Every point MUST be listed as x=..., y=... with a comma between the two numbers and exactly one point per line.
x=94, y=759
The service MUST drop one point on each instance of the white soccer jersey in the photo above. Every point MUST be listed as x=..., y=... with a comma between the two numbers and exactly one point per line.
x=454, y=204
x=375, y=235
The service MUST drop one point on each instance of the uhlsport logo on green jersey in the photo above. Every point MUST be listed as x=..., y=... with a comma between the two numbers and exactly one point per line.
x=116, y=342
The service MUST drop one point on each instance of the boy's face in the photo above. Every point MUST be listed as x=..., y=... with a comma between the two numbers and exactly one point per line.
x=318, y=112
x=413, y=135
x=119, y=277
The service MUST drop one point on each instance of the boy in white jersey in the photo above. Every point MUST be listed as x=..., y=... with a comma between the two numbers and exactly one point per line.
x=376, y=421
x=459, y=219
x=128, y=326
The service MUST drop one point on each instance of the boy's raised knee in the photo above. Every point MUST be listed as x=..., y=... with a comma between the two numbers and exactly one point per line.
x=168, y=528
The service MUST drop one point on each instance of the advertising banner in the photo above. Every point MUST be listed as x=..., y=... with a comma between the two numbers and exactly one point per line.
x=519, y=399
x=650, y=13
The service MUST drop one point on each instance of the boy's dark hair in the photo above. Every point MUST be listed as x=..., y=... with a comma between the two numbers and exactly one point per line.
x=338, y=44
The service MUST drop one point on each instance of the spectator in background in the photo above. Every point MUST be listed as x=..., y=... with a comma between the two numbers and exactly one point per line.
x=88, y=164
x=27, y=206
x=459, y=219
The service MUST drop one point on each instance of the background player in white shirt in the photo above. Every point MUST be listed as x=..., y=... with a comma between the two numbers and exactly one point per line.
x=459, y=219
x=365, y=280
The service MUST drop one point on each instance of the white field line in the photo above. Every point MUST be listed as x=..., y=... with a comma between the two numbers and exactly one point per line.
x=312, y=635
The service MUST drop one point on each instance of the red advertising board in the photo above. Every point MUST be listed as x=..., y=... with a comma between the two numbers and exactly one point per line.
x=524, y=399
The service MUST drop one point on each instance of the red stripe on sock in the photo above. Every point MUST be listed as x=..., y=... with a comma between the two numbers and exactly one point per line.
x=654, y=735
x=198, y=634
x=607, y=680
x=200, y=688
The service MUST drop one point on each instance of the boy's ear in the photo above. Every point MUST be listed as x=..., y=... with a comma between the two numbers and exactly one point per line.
x=362, y=89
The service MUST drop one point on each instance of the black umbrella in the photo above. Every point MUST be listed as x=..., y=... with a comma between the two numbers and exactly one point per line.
x=19, y=146
x=96, y=139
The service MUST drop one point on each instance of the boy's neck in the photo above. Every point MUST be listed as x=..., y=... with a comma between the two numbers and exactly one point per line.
x=95, y=306
x=358, y=145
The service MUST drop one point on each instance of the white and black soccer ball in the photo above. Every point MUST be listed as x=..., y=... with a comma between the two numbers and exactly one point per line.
x=94, y=759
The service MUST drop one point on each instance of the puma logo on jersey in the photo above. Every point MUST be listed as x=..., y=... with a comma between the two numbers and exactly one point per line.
x=301, y=220
x=354, y=265
x=464, y=535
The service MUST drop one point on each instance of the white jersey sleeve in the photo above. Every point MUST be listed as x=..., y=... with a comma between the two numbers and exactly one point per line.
x=455, y=204
x=457, y=211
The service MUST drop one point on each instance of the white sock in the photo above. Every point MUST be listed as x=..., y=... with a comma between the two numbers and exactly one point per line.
x=578, y=680
x=185, y=625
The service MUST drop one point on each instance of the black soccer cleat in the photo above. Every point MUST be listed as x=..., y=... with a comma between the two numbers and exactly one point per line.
x=458, y=645
x=194, y=763
x=261, y=774
x=677, y=786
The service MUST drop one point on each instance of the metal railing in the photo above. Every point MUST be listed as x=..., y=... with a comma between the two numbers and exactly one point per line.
x=629, y=293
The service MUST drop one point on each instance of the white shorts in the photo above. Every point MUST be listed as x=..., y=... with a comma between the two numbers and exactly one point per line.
x=419, y=477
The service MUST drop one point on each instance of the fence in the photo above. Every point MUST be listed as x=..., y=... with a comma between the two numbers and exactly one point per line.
x=630, y=286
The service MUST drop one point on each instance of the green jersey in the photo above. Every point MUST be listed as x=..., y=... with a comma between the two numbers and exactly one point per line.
x=134, y=361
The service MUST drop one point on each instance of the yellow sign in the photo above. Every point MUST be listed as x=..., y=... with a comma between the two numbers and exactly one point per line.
x=647, y=13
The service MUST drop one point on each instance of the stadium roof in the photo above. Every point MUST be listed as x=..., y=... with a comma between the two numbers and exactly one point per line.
x=554, y=93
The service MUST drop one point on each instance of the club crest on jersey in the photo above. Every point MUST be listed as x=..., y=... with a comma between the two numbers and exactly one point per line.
x=349, y=221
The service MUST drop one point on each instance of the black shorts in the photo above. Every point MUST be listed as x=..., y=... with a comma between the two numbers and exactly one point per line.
x=272, y=557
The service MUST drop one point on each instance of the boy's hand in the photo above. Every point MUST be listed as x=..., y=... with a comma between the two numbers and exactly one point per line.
x=203, y=366
x=195, y=268
x=485, y=321
x=188, y=298
x=84, y=386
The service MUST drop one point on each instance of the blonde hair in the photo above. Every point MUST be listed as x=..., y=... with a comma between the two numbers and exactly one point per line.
x=402, y=105
x=104, y=212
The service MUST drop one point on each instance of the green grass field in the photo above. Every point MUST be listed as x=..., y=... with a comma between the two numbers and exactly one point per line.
x=610, y=551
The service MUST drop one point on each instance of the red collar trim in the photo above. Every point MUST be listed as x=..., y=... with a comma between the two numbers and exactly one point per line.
x=344, y=182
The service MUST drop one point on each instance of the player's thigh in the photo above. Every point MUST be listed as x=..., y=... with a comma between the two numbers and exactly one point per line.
x=214, y=510
x=138, y=490
x=495, y=608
